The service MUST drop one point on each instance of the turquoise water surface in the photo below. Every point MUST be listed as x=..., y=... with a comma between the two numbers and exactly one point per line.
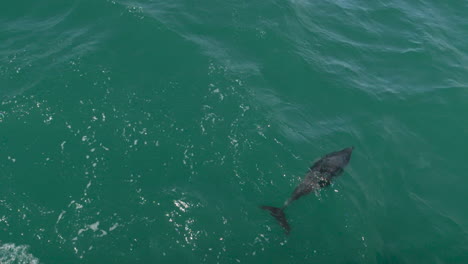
x=151, y=131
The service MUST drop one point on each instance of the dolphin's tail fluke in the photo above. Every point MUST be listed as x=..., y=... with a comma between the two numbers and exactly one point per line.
x=278, y=213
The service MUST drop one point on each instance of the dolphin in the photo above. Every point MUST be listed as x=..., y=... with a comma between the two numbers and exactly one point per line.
x=319, y=175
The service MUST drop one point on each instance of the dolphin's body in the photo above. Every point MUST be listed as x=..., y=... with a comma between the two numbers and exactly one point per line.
x=318, y=176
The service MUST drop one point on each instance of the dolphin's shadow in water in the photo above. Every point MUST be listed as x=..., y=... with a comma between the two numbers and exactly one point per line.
x=319, y=175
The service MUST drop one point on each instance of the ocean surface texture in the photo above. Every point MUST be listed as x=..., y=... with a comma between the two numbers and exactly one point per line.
x=150, y=131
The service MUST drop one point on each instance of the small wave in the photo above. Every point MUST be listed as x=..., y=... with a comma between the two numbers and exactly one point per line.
x=12, y=254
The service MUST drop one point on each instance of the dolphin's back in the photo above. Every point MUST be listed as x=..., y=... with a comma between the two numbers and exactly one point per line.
x=318, y=176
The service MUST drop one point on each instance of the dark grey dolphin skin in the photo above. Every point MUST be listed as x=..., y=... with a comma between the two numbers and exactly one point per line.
x=319, y=175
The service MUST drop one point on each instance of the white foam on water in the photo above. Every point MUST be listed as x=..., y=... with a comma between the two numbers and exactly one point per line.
x=113, y=227
x=94, y=226
x=13, y=254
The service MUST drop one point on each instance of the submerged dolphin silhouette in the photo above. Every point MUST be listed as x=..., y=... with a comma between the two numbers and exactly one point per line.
x=318, y=176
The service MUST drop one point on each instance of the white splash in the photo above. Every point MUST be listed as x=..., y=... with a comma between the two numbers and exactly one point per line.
x=94, y=226
x=113, y=227
x=63, y=145
x=12, y=254
x=60, y=217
